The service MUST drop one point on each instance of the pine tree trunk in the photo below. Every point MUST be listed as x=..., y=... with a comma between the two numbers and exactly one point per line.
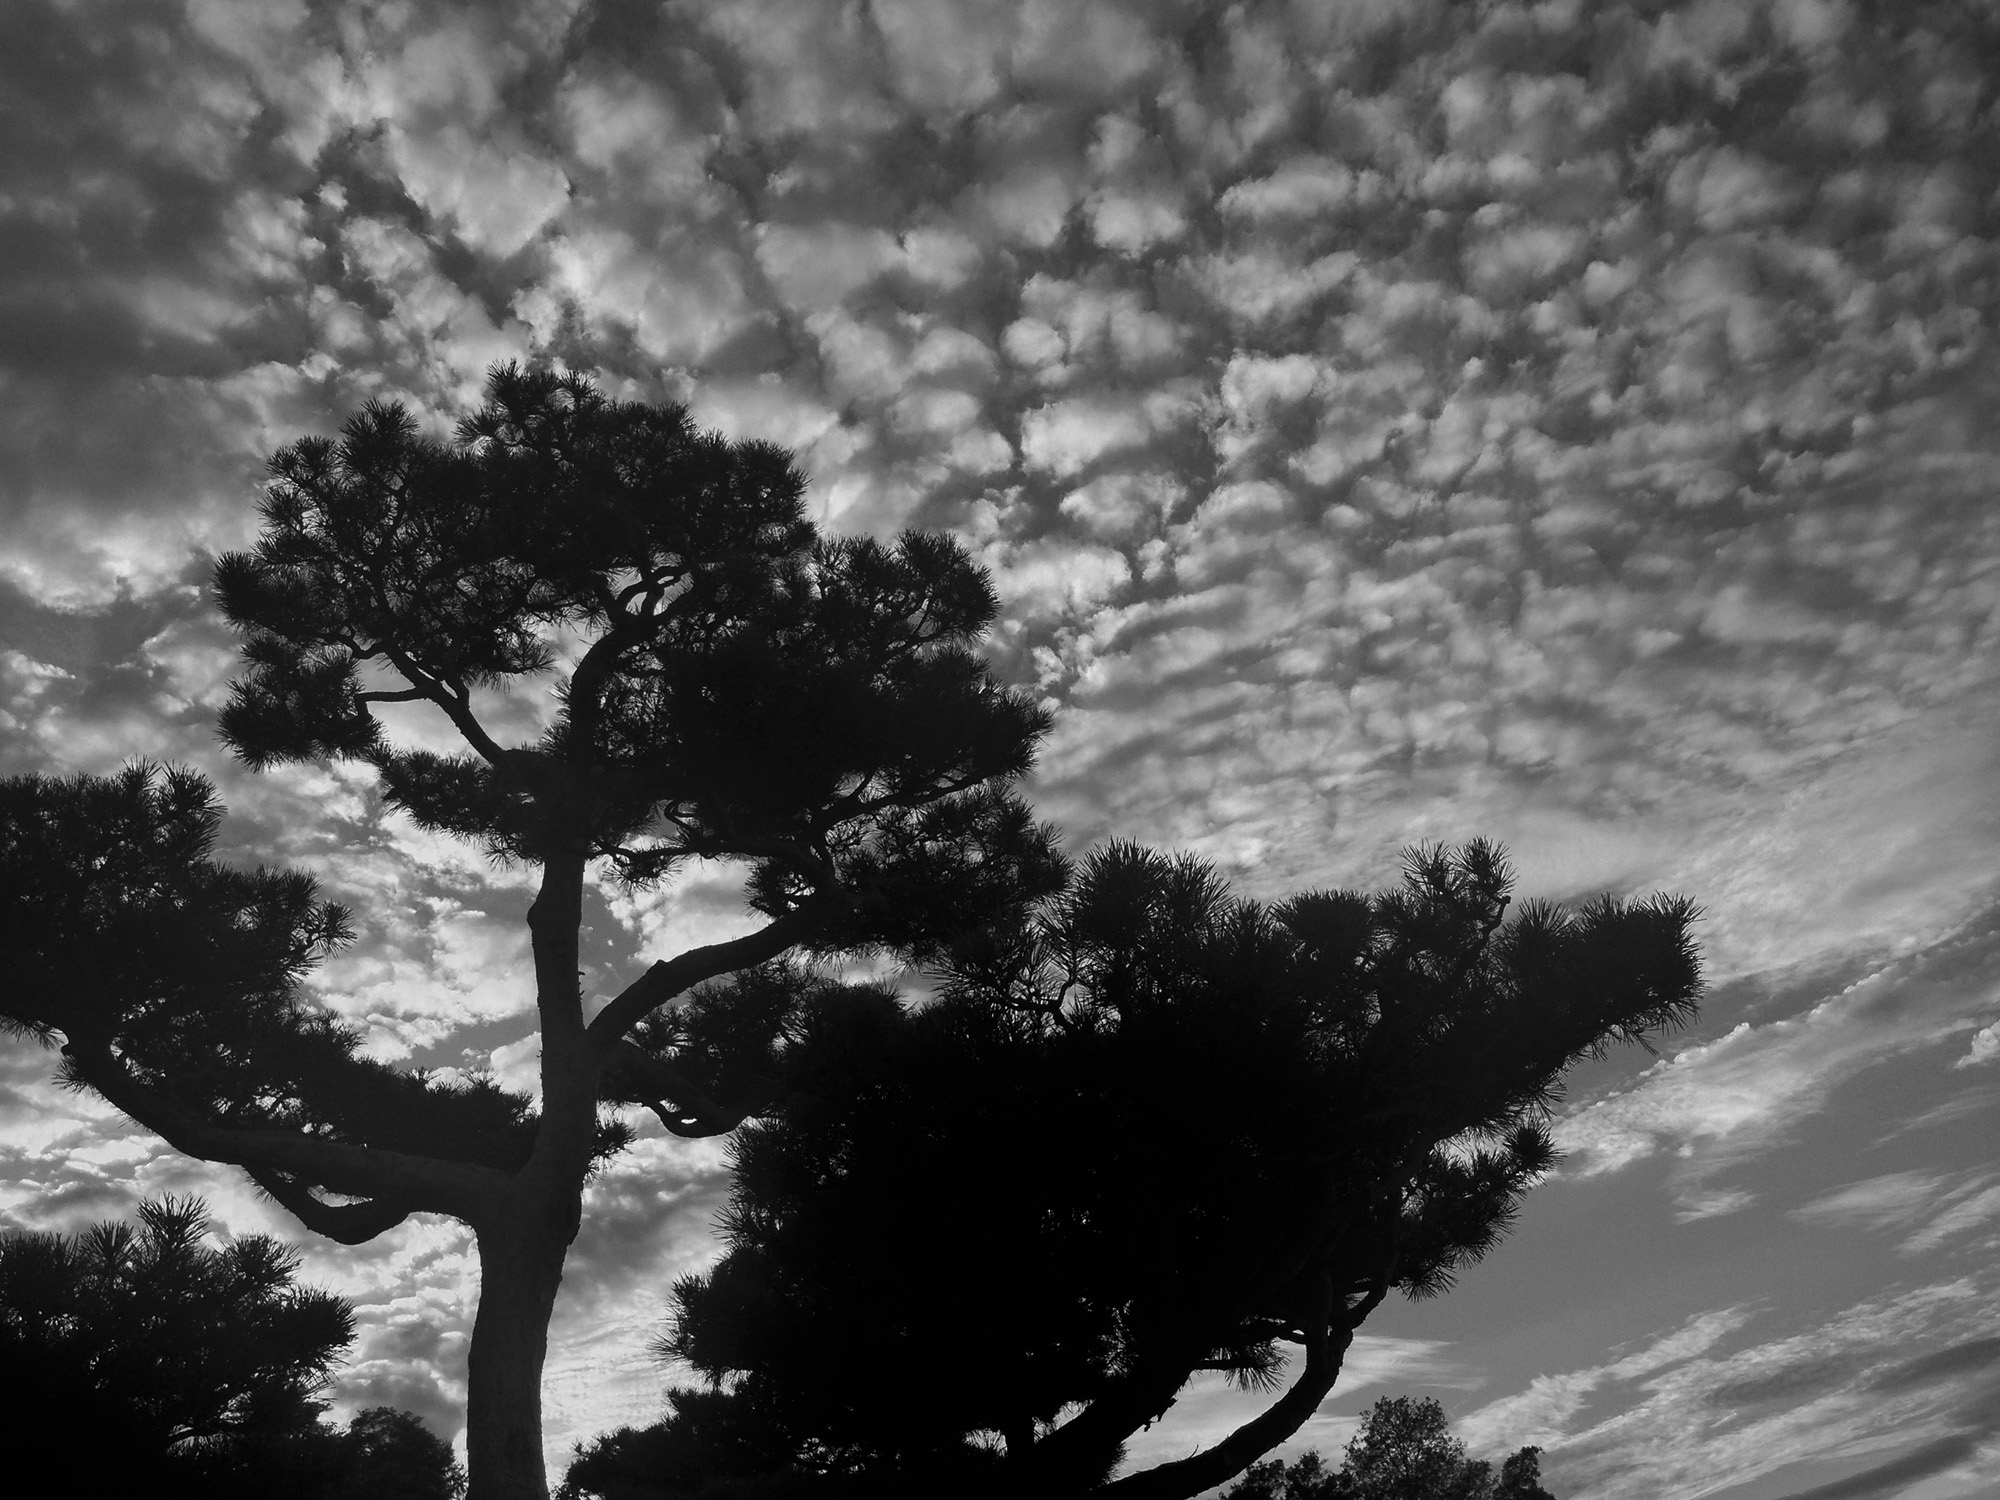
x=520, y=1266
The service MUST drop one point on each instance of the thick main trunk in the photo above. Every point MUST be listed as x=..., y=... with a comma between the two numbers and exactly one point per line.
x=525, y=1232
x=520, y=1267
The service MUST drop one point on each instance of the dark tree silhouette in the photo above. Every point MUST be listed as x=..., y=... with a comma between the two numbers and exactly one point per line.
x=158, y=1363
x=130, y=1346
x=1405, y=1450
x=387, y=1454
x=1305, y=1478
x=1521, y=1477
x=729, y=687
x=1151, y=1131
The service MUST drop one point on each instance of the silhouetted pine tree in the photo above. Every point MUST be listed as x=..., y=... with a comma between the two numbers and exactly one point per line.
x=1151, y=1131
x=154, y=1362
x=133, y=1344
x=737, y=688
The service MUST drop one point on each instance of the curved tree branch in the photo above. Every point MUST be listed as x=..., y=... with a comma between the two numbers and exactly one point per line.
x=417, y=1183
x=447, y=695
x=672, y=977
x=344, y=1223
x=1327, y=1341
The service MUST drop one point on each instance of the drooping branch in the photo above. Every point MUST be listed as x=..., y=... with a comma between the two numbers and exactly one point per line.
x=1328, y=1334
x=416, y=1183
x=343, y=1223
x=1186, y=1477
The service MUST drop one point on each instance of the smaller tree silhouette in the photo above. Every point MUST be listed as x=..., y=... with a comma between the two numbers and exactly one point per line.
x=388, y=1454
x=162, y=1362
x=1405, y=1450
x=148, y=1335
x=1305, y=1478
x=1521, y=1477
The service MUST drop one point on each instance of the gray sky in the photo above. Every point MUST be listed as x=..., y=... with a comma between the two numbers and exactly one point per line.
x=1573, y=424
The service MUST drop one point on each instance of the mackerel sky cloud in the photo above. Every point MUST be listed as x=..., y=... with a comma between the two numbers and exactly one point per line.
x=1385, y=421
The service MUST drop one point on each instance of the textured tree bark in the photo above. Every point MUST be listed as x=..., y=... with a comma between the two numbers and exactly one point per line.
x=520, y=1267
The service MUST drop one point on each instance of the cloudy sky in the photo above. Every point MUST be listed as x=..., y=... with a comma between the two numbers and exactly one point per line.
x=1386, y=420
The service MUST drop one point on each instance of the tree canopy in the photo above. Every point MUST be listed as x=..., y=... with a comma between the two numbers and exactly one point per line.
x=727, y=685
x=1153, y=1130
x=155, y=1361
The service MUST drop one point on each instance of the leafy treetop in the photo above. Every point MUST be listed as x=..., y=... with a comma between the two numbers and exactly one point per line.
x=737, y=685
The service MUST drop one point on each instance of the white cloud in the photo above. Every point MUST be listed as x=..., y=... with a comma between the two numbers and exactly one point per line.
x=949, y=57
x=630, y=129
x=1065, y=437
x=1055, y=578
x=1118, y=504
x=1692, y=1415
x=1030, y=204
x=817, y=266
x=1541, y=1414
x=1965, y=1208
x=1985, y=1047
x=1133, y=223
x=1260, y=288
x=1299, y=188
x=1090, y=45
x=1892, y=1200
x=1722, y=1102
x=499, y=199
x=682, y=298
